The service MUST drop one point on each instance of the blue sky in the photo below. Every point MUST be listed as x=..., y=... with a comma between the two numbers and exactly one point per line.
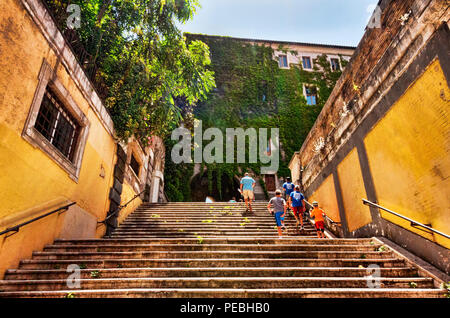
x=339, y=22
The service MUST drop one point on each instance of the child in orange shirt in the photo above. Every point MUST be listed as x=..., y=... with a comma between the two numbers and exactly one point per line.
x=318, y=215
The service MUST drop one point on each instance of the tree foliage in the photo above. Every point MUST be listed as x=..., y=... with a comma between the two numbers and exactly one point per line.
x=143, y=60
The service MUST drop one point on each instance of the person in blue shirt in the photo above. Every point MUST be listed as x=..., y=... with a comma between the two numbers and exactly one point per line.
x=288, y=188
x=247, y=185
x=297, y=201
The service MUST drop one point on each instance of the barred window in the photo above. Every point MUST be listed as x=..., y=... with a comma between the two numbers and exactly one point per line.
x=57, y=125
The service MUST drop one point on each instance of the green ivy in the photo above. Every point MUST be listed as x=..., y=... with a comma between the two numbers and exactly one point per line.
x=252, y=91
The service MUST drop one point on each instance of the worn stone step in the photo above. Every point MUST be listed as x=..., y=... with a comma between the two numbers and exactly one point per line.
x=217, y=263
x=238, y=293
x=214, y=232
x=20, y=274
x=210, y=234
x=210, y=231
x=217, y=282
x=209, y=247
x=209, y=254
x=176, y=226
x=205, y=222
x=219, y=240
x=200, y=217
x=175, y=222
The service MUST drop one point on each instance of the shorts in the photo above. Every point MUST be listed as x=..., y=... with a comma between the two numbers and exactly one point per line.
x=279, y=218
x=320, y=225
x=298, y=210
x=248, y=194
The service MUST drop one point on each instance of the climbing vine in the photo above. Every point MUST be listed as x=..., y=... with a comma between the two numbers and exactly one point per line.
x=252, y=91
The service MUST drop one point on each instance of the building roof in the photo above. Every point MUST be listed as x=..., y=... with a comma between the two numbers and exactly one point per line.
x=273, y=41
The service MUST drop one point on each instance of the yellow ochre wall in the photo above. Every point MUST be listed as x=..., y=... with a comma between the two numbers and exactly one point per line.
x=127, y=194
x=353, y=191
x=409, y=158
x=325, y=195
x=29, y=178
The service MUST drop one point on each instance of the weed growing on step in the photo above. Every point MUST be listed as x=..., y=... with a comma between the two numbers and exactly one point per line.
x=95, y=274
x=70, y=295
x=82, y=266
x=412, y=285
x=447, y=287
x=207, y=221
x=156, y=216
x=363, y=256
x=119, y=266
x=199, y=239
x=381, y=249
x=180, y=230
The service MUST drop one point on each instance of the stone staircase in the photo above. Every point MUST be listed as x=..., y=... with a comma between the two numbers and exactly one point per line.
x=216, y=250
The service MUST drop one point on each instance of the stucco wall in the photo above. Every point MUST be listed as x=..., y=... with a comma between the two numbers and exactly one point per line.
x=31, y=182
x=408, y=152
x=325, y=195
x=352, y=189
x=388, y=140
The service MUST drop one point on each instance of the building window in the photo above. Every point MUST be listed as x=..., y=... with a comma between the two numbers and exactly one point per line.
x=282, y=61
x=306, y=62
x=135, y=166
x=57, y=125
x=311, y=95
x=335, y=65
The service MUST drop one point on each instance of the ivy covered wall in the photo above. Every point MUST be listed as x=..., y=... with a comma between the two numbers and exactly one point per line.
x=252, y=91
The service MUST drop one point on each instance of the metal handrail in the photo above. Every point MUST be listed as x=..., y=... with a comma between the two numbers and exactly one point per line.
x=120, y=207
x=17, y=227
x=413, y=223
x=326, y=216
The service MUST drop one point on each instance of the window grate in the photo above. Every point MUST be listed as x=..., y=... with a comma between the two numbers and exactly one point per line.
x=57, y=125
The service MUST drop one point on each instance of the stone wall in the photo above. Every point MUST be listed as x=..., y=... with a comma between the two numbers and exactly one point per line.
x=383, y=135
